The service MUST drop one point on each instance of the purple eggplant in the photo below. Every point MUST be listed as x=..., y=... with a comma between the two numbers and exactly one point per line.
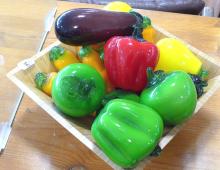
x=85, y=26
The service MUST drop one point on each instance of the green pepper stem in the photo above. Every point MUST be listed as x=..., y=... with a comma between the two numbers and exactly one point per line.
x=203, y=74
x=114, y=94
x=86, y=89
x=156, y=151
x=154, y=77
x=118, y=94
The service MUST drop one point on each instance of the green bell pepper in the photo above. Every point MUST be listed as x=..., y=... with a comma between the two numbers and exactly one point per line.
x=78, y=90
x=127, y=131
x=172, y=95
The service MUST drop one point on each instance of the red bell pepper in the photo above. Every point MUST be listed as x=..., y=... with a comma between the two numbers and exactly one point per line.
x=126, y=60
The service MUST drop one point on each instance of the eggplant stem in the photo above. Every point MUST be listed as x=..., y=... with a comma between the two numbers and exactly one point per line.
x=138, y=27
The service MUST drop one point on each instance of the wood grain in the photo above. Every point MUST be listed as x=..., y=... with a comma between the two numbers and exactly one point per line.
x=38, y=142
x=20, y=35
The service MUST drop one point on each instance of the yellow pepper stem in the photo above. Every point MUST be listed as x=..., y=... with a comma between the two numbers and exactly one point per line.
x=56, y=52
x=44, y=81
x=84, y=51
x=40, y=79
x=146, y=22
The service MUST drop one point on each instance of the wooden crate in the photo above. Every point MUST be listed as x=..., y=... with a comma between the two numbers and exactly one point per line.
x=23, y=77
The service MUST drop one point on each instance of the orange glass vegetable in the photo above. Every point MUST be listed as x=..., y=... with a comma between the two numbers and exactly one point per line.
x=91, y=57
x=148, y=33
x=62, y=57
x=44, y=81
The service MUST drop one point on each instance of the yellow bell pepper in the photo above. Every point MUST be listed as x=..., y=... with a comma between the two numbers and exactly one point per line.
x=61, y=57
x=91, y=57
x=148, y=33
x=174, y=55
x=118, y=6
x=44, y=81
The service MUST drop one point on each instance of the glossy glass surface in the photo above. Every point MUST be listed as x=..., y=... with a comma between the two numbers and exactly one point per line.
x=174, y=98
x=78, y=90
x=88, y=26
x=126, y=60
x=174, y=55
x=127, y=131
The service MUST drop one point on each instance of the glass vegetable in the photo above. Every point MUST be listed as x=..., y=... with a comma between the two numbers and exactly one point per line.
x=118, y=6
x=44, y=81
x=126, y=60
x=78, y=90
x=174, y=55
x=61, y=57
x=148, y=33
x=127, y=131
x=85, y=26
x=91, y=57
x=172, y=95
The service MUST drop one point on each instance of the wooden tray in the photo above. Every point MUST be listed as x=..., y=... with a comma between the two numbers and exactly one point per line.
x=23, y=77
